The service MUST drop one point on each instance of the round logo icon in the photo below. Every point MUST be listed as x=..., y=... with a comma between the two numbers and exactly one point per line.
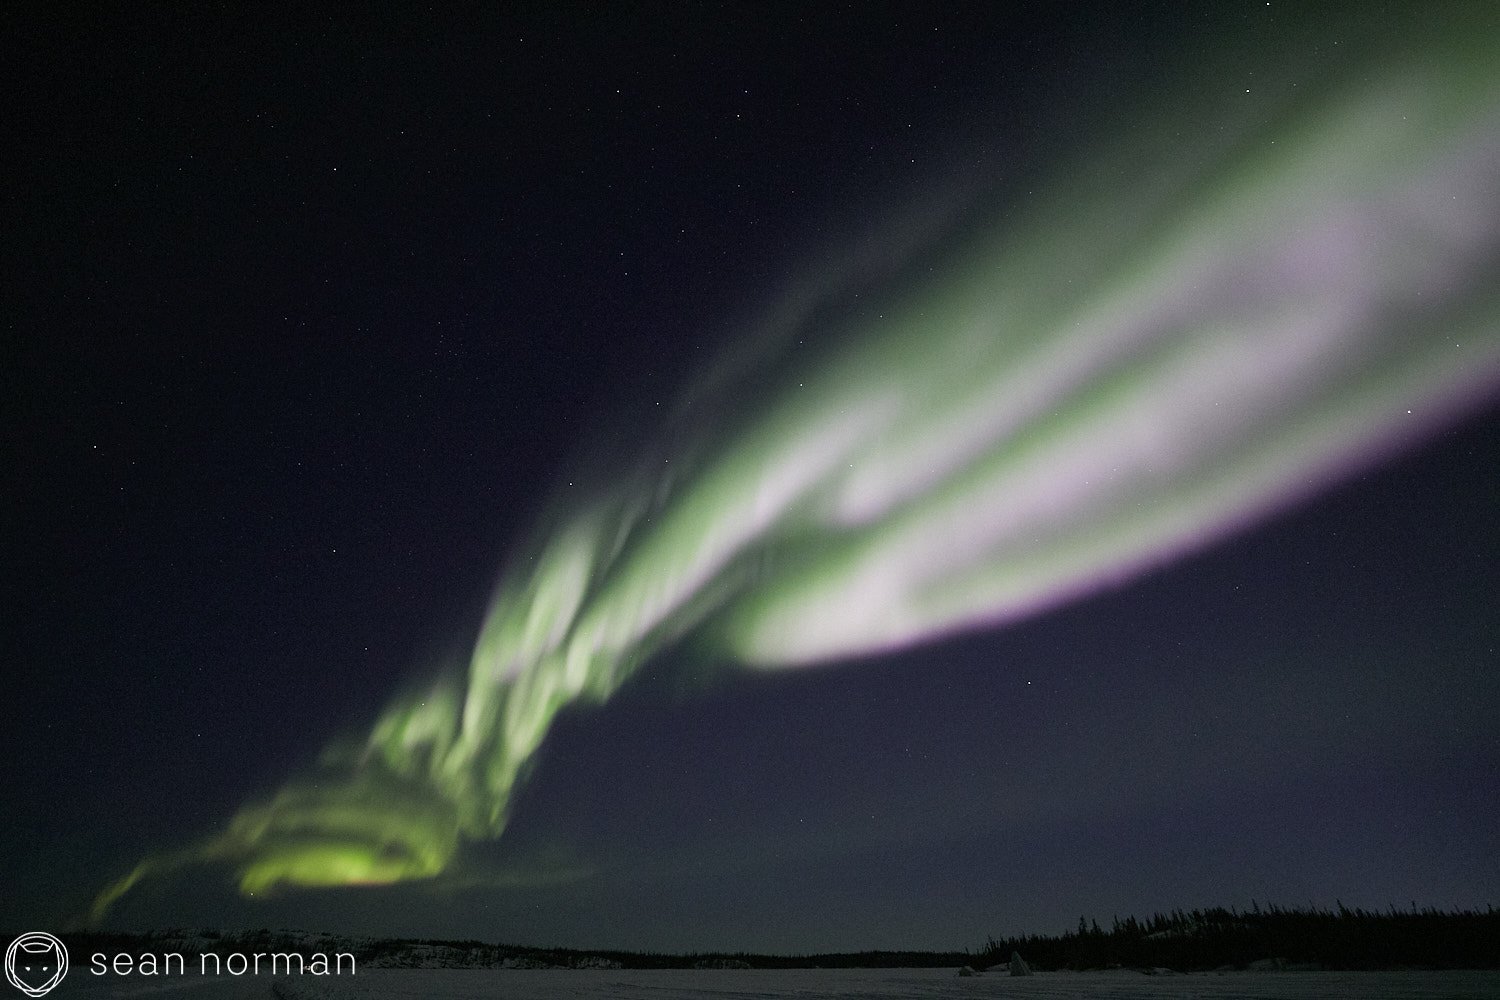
x=35, y=963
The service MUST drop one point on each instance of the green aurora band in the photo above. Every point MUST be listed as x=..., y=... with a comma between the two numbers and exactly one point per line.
x=1034, y=402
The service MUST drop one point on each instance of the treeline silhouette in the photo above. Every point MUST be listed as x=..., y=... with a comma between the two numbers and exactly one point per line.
x=1182, y=941
x=1274, y=937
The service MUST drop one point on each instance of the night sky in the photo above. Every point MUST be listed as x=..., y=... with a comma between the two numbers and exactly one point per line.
x=314, y=327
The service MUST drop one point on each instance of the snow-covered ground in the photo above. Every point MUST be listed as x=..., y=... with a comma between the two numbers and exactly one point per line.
x=864, y=984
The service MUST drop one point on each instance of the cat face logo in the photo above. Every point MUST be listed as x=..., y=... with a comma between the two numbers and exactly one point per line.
x=35, y=963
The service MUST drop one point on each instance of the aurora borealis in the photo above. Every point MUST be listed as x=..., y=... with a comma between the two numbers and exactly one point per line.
x=978, y=409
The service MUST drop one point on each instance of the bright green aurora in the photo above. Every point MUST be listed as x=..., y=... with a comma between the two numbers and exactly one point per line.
x=1192, y=328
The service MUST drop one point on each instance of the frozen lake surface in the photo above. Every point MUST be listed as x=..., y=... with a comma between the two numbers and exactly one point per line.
x=853, y=984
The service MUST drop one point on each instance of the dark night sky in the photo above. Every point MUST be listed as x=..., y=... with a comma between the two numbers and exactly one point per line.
x=307, y=318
